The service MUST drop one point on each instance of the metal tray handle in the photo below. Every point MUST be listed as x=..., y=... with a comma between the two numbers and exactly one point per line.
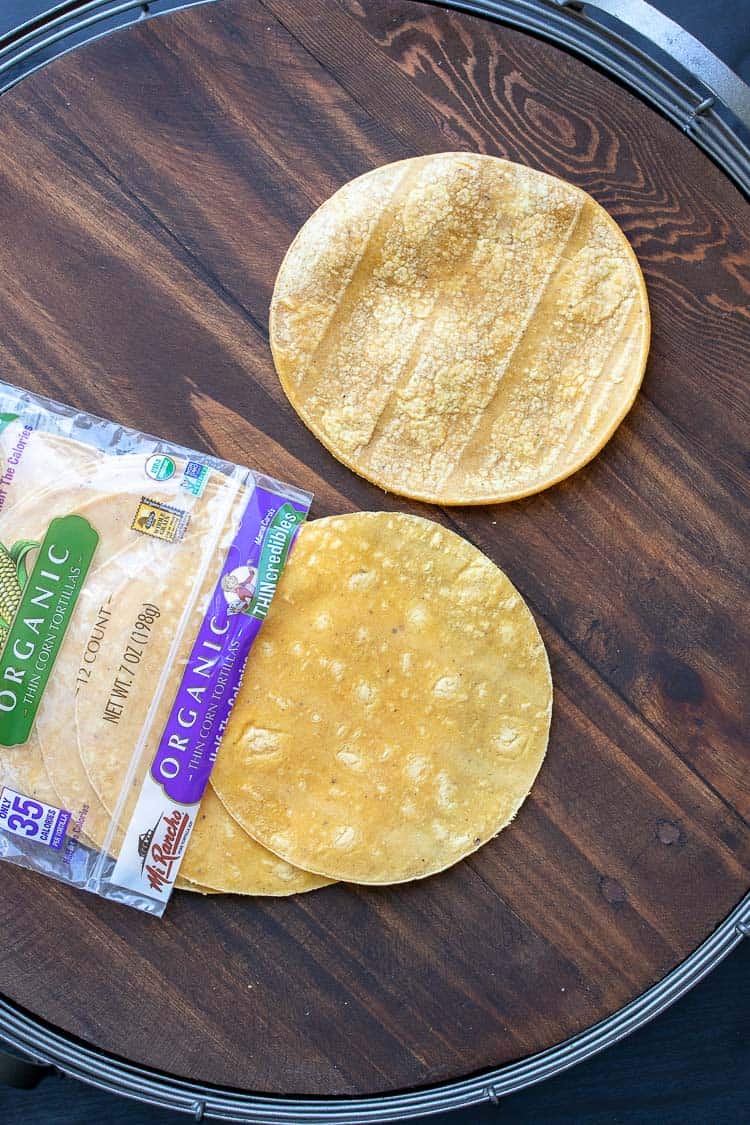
x=680, y=45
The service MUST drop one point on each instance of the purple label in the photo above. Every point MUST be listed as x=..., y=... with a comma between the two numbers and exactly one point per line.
x=209, y=685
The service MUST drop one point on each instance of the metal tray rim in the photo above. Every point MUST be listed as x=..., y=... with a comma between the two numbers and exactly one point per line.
x=53, y=1048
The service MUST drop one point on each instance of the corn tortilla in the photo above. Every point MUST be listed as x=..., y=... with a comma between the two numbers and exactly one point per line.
x=460, y=329
x=120, y=556
x=396, y=709
x=223, y=856
x=185, y=885
x=22, y=768
x=62, y=463
x=48, y=463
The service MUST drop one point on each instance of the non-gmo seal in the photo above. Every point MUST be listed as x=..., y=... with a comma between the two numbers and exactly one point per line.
x=160, y=467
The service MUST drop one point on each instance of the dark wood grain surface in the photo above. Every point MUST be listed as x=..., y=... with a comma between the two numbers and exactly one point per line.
x=149, y=186
x=691, y=1066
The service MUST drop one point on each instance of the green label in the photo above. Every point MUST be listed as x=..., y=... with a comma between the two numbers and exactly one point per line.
x=273, y=553
x=36, y=611
x=6, y=419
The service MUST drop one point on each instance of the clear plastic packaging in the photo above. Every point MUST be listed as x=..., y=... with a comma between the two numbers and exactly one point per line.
x=135, y=576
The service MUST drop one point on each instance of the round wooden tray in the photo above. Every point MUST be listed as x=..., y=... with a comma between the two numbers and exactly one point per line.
x=149, y=185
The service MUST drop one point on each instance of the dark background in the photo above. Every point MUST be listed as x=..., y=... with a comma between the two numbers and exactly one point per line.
x=690, y=1066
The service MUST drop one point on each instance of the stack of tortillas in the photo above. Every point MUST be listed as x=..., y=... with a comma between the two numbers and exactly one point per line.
x=396, y=709
x=73, y=757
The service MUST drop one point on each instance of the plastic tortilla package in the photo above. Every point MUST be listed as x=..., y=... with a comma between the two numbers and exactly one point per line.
x=135, y=576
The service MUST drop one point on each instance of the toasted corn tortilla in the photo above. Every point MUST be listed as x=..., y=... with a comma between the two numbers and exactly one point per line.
x=222, y=856
x=460, y=329
x=185, y=885
x=396, y=710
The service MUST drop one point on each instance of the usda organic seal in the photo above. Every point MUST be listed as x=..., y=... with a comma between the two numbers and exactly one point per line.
x=160, y=467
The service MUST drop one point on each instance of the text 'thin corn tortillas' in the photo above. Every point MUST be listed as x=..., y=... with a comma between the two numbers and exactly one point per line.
x=460, y=329
x=396, y=709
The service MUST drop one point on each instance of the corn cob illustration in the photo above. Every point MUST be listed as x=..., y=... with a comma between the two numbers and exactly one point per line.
x=13, y=578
